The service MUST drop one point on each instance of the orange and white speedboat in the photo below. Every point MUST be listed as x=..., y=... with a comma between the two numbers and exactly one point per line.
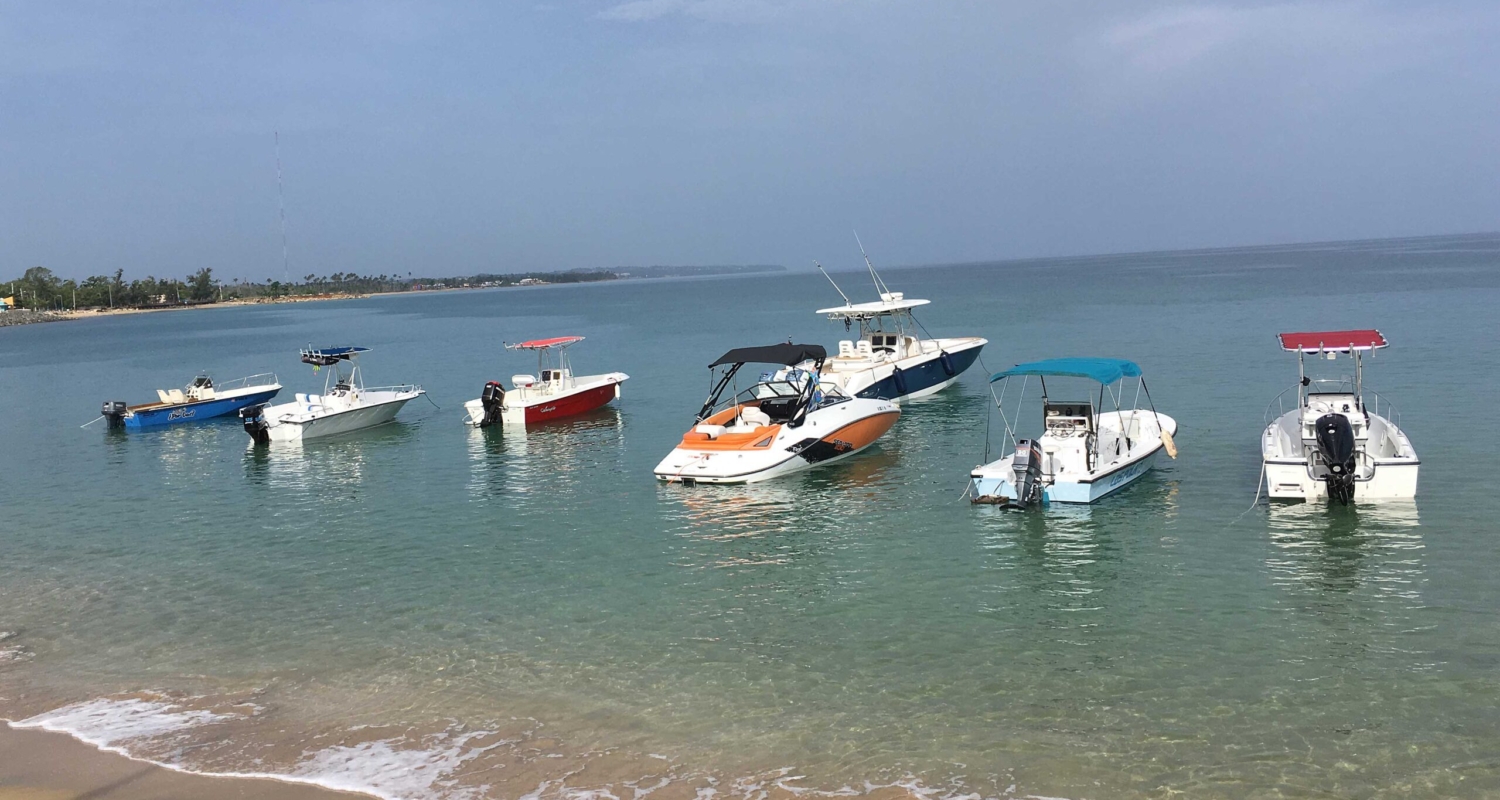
x=553, y=393
x=786, y=422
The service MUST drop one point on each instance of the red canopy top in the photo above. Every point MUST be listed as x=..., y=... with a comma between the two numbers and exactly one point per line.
x=538, y=344
x=1335, y=341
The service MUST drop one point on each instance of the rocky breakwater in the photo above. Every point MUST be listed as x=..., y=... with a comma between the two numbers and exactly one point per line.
x=24, y=316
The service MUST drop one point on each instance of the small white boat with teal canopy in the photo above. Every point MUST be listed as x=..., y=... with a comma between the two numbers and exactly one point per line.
x=1089, y=447
x=345, y=404
x=202, y=399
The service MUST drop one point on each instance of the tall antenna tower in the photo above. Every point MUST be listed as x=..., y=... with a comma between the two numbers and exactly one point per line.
x=880, y=287
x=286, y=268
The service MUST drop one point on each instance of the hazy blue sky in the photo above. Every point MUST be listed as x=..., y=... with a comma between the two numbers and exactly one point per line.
x=456, y=138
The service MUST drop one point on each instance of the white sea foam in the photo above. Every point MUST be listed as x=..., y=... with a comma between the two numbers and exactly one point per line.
x=389, y=769
x=109, y=724
x=420, y=768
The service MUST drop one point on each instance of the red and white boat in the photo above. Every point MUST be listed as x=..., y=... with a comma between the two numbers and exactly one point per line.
x=553, y=393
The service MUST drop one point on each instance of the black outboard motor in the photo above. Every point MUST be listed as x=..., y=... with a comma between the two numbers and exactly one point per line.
x=493, y=400
x=114, y=413
x=1336, y=445
x=254, y=419
x=1027, y=465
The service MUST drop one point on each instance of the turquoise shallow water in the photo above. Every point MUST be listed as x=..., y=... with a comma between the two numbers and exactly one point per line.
x=428, y=611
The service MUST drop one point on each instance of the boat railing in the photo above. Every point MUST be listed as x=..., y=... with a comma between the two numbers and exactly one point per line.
x=1382, y=407
x=404, y=387
x=1335, y=386
x=1280, y=403
x=263, y=379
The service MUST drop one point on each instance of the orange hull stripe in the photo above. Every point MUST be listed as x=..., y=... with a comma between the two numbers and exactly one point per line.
x=863, y=433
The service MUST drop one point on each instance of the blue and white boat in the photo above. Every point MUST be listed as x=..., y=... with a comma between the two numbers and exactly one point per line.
x=1086, y=450
x=199, y=400
x=893, y=358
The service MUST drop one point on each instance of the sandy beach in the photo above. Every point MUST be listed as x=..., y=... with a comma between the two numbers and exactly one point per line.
x=89, y=313
x=38, y=765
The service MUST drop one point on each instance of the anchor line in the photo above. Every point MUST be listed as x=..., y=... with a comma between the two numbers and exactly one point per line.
x=1259, y=483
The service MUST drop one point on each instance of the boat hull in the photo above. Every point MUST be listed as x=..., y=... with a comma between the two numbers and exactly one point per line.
x=920, y=376
x=994, y=482
x=367, y=415
x=818, y=442
x=142, y=419
x=1090, y=491
x=593, y=394
x=1391, y=474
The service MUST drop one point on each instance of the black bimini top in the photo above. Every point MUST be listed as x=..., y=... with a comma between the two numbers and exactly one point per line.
x=788, y=354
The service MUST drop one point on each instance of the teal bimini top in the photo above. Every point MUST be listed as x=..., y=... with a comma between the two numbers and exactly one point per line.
x=1103, y=370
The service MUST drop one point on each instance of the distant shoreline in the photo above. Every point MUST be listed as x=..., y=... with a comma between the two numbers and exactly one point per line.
x=30, y=316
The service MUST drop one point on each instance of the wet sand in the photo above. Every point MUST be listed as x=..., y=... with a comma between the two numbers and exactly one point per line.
x=39, y=765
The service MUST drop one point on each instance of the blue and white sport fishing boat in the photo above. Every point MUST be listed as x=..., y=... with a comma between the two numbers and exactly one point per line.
x=1085, y=452
x=201, y=399
x=893, y=358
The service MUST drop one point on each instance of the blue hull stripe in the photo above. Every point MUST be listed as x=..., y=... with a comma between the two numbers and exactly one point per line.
x=192, y=412
x=923, y=376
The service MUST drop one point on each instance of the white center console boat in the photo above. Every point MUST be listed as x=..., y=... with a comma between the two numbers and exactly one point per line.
x=345, y=404
x=553, y=393
x=1085, y=451
x=1335, y=443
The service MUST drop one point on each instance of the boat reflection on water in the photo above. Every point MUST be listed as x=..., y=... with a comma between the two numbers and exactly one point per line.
x=1373, y=547
x=1071, y=556
x=777, y=522
x=1357, y=573
x=312, y=470
x=544, y=461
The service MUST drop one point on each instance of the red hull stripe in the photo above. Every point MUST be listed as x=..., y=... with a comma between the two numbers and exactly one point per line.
x=572, y=404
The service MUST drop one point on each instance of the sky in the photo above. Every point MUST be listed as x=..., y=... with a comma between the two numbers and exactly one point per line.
x=457, y=138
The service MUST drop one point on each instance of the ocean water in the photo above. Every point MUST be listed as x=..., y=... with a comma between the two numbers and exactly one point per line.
x=426, y=611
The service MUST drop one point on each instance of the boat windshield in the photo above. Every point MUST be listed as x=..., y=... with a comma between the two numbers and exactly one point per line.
x=767, y=390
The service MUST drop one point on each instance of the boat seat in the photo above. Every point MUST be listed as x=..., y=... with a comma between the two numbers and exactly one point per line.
x=166, y=399
x=846, y=349
x=711, y=431
x=750, y=415
x=520, y=381
x=177, y=396
x=301, y=399
x=206, y=393
x=863, y=348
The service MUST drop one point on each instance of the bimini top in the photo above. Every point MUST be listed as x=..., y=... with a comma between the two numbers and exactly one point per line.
x=328, y=356
x=788, y=354
x=889, y=303
x=540, y=344
x=1333, y=341
x=1103, y=370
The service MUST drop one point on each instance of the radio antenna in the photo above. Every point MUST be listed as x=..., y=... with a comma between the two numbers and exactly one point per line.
x=880, y=286
x=836, y=288
x=286, y=268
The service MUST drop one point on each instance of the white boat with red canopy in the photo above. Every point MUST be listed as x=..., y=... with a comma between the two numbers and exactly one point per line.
x=553, y=393
x=1336, y=443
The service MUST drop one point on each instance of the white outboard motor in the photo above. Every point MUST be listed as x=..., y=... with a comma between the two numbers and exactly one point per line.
x=1336, y=445
x=1027, y=465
